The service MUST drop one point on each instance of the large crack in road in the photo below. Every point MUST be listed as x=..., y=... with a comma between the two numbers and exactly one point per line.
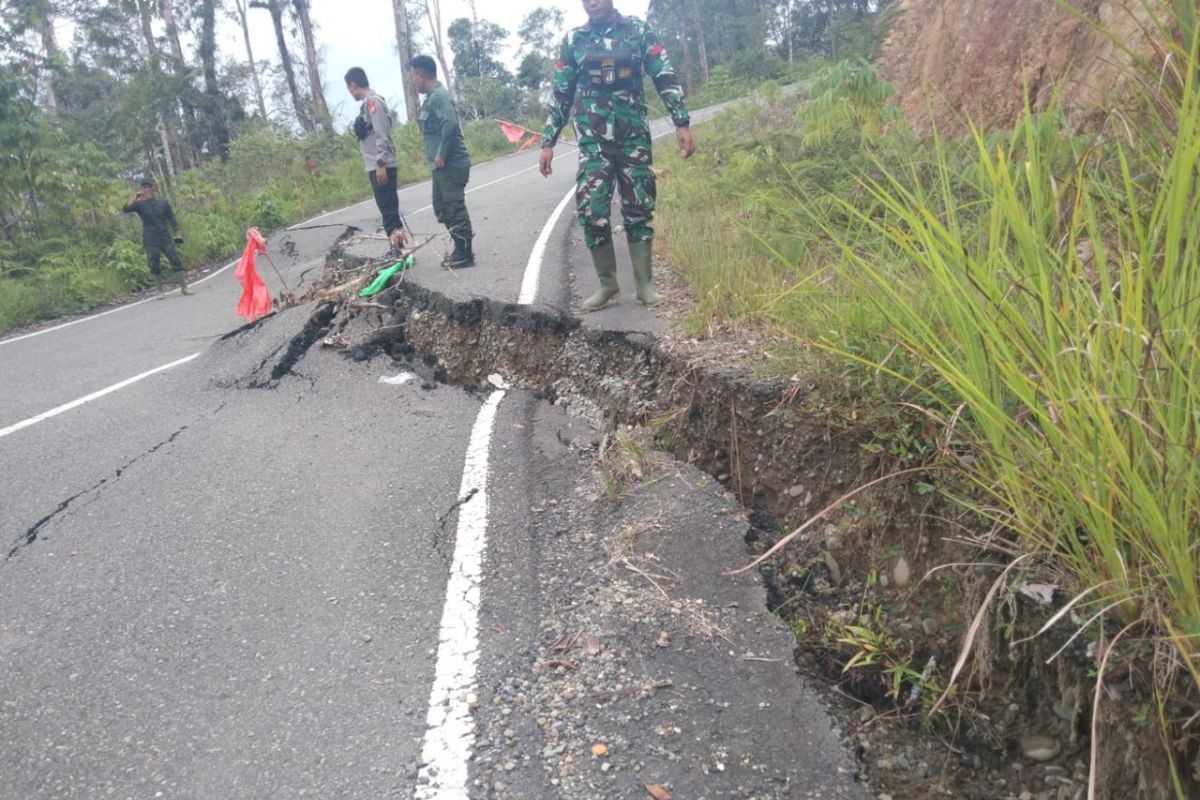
x=34, y=532
x=759, y=438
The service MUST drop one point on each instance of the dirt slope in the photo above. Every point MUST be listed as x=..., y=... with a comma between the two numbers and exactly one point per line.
x=959, y=59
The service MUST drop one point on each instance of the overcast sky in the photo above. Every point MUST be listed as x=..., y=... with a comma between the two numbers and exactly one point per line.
x=362, y=33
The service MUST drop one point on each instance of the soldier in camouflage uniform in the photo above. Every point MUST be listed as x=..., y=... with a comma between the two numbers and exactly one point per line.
x=160, y=233
x=599, y=74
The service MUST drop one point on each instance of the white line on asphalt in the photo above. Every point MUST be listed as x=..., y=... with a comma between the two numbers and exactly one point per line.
x=54, y=412
x=450, y=725
x=533, y=270
x=450, y=732
x=125, y=307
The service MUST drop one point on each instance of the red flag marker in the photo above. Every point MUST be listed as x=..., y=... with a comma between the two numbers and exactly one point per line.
x=256, y=299
x=514, y=133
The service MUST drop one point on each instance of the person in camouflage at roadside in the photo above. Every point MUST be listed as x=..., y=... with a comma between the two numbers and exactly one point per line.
x=599, y=77
x=160, y=233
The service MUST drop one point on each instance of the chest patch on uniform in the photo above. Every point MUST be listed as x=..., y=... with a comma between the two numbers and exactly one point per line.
x=615, y=70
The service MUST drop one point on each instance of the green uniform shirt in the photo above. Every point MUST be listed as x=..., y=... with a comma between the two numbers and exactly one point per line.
x=591, y=76
x=440, y=130
x=158, y=218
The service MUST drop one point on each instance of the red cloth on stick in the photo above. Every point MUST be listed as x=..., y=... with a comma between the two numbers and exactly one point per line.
x=256, y=298
x=514, y=133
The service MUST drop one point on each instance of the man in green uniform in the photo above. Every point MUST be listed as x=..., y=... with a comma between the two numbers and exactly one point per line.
x=448, y=159
x=600, y=73
x=160, y=232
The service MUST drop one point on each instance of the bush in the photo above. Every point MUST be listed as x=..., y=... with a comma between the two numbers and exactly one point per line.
x=127, y=261
x=848, y=97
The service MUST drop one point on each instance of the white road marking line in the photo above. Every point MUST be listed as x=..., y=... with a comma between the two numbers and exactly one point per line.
x=450, y=725
x=450, y=732
x=533, y=269
x=54, y=412
x=125, y=307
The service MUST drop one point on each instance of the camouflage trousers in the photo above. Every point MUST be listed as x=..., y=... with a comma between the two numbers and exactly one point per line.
x=157, y=245
x=628, y=164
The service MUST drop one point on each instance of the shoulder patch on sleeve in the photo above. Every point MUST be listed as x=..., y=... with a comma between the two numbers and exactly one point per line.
x=371, y=106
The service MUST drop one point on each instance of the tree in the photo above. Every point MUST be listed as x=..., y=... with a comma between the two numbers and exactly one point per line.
x=540, y=33
x=404, y=49
x=476, y=45
x=285, y=61
x=320, y=109
x=53, y=56
x=240, y=7
x=433, y=16
x=216, y=113
x=485, y=87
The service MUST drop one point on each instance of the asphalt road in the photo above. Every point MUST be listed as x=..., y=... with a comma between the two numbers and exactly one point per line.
x=213, y=592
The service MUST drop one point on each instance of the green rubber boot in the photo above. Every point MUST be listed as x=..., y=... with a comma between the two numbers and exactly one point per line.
x=604, y=259
x=639, y=254
x=183, y=284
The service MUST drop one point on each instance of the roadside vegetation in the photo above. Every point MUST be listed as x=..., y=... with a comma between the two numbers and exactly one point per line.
x=237, y=139
x=86, y=251
x=1034, y=293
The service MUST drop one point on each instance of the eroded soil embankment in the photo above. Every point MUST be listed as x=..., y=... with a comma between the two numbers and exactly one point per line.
x=754, y=435
x=784, y=456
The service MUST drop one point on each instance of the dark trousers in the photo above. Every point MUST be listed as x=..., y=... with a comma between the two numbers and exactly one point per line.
x=450, y=200
x=156, y=248
x=387, y=200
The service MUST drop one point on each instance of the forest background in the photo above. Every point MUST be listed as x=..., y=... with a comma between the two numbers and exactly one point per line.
x=238, y=137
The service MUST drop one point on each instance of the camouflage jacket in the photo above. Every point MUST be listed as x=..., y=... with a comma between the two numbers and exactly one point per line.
x=599, y=77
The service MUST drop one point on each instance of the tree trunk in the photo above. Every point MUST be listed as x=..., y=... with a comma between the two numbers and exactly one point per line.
x=166, y=143
x=213, y=102
x=789, y=32
x=168, y=125
x=701, y=45
x=689, y=70
x=320, y=108
x=404, y=49
x=45, y=21
x=168, y=14
x=241, y=6
x=433, y=11
x=188, y=150
x=285, y=59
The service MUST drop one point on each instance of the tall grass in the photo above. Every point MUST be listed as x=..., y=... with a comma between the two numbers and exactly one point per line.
x=1061, y=311
x=1040, y=289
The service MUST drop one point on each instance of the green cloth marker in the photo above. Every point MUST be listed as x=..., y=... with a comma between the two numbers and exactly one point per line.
x=382, y=278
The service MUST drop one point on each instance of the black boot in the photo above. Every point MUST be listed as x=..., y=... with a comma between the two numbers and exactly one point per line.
x=462, y=255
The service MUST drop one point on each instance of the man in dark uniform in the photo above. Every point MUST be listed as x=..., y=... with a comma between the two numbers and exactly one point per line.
x=446, y=154
x=373, y=127
x=599, y=77
x=160, y=233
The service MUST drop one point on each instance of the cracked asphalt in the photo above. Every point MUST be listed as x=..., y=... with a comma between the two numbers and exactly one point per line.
x=223, y=582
